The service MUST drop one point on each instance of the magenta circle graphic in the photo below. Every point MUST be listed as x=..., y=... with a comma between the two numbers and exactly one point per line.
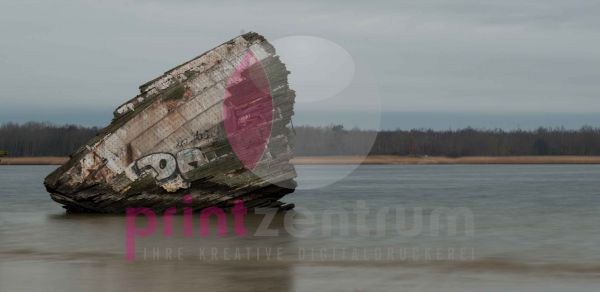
x=248, y=110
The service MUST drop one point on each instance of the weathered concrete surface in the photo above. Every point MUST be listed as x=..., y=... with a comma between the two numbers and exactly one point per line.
x=198, y=129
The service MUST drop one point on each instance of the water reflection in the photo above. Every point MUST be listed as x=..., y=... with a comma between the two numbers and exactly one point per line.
x=91, y=248
x=533, y=225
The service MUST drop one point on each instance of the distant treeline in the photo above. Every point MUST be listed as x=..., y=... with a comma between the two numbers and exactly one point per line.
x=44, y=139
x=335, y=140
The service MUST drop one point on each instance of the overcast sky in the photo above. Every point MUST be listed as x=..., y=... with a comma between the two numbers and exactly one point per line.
x=509, y=56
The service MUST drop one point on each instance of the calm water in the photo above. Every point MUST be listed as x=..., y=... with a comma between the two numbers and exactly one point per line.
x=447, y=228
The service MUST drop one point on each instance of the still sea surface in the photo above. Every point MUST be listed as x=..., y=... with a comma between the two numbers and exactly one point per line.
x=382, y=228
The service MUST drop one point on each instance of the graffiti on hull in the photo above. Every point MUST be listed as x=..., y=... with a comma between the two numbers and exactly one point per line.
x=167, y=167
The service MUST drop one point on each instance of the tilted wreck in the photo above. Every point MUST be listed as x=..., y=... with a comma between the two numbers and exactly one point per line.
x=216, y=127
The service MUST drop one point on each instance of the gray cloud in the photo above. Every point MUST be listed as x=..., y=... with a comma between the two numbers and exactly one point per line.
x=461, y=55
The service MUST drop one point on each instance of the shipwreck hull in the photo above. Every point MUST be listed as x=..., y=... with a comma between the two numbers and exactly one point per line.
x=216, y=127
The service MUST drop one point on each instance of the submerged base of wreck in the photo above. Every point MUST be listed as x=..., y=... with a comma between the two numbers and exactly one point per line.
x=95, y=200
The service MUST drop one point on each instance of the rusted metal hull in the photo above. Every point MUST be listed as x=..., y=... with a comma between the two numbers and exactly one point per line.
x=216, y=127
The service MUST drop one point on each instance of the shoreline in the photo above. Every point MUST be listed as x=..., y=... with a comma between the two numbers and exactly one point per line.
x=372, y=160
x=394, y=159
